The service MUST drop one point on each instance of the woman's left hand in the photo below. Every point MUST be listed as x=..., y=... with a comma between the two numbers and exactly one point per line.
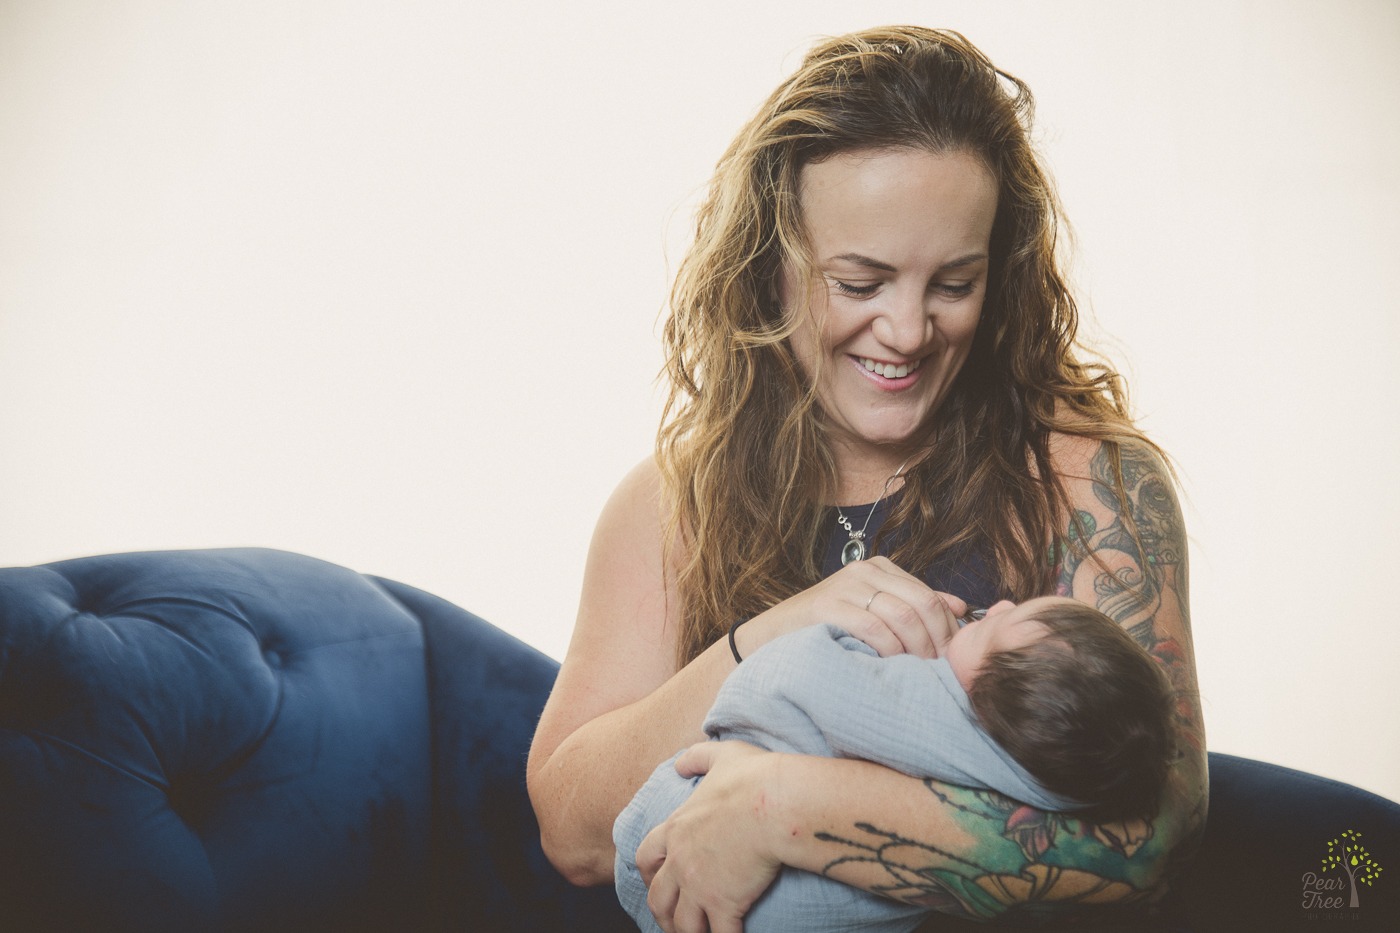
x=713, y=857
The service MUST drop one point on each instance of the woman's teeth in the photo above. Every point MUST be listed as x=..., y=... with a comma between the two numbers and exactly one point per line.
x=889, y=370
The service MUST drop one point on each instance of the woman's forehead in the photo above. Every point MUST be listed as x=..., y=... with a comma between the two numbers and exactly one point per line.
x=897, y=205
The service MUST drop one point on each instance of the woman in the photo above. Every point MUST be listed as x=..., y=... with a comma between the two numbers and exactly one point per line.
x=871, y=354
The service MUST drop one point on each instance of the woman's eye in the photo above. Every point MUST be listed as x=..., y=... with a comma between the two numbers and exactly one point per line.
x=956, y=291
x=856, y=291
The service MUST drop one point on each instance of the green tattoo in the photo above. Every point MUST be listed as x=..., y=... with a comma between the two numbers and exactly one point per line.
x=1026, y=864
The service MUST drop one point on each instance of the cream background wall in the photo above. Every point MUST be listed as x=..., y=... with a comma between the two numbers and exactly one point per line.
x=379, y=282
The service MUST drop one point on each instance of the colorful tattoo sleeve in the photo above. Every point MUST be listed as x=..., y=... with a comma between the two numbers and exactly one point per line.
x=997, y=858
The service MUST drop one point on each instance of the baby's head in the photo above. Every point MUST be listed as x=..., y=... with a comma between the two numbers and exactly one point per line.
x=1069, y=694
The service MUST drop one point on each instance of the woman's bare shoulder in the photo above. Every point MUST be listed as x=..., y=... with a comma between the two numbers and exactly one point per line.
x=627, y=542
x=623, y=644
x=637, y=497
x=627, y=610
x=1083, y=450
x=1091, y=461
x=1072, y=454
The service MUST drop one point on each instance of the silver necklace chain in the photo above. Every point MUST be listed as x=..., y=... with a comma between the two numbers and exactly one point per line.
x=855, y=549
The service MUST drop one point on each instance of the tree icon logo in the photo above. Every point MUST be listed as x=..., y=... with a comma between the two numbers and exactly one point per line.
x=1348, y=855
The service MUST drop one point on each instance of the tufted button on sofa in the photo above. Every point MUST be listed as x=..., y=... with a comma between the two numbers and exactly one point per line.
x=252, y=740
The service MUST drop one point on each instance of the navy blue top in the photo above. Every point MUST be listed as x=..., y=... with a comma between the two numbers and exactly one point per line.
x=966, y=573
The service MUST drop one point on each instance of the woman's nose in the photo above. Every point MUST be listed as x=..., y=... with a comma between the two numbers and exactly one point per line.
x=904, y=323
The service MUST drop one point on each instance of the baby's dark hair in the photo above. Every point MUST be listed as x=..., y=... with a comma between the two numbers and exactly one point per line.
x=1085, y=710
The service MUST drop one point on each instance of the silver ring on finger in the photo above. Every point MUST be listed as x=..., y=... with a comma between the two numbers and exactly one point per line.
x=872, y=599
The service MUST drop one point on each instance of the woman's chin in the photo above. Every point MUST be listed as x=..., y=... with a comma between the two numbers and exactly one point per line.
x=883, y=431
x=902, y=438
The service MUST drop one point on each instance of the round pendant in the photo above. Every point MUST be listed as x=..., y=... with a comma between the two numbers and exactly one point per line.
x=854, y=550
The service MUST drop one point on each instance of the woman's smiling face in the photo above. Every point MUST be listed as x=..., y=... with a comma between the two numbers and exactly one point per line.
x=899, y=242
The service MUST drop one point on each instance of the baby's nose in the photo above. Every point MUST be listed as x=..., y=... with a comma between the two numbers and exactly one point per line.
x=998, y=608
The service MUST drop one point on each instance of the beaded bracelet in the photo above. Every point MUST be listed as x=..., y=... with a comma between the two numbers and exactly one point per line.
x=732, y=646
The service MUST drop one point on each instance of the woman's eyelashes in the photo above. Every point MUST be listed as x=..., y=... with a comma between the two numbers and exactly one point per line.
x=951, y=290
x=856, y=291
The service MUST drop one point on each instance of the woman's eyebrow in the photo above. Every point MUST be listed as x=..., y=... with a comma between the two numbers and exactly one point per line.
x=858, y=259
x=968, y=260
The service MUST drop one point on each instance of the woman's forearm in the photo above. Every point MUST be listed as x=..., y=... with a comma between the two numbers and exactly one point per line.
x=965, y=852
x=583, y=784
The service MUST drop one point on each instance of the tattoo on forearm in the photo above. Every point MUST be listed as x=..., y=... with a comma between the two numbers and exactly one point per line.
x=906, y=862
x=1006, y=872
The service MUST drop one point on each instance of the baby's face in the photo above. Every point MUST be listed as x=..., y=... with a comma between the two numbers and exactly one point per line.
x=1006, y=626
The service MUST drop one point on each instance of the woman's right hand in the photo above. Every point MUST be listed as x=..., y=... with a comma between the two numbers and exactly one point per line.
x=712, y=858
x=890, y=610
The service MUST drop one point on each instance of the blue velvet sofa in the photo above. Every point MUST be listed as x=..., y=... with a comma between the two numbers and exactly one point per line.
x=252, y=740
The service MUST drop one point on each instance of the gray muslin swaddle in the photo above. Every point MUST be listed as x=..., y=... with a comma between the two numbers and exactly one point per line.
x=820, y=691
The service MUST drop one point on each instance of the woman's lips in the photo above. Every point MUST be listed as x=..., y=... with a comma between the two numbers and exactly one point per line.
x=891, y=377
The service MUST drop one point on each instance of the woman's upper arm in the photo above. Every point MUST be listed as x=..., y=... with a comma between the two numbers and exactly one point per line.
x=623, y=639
x=1133, y=568
x=619, y=707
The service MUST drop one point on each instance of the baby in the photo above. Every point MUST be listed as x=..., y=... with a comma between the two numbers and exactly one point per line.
x=1049, y=702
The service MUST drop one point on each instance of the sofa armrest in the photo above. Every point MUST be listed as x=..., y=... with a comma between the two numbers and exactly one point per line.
x=487, y=690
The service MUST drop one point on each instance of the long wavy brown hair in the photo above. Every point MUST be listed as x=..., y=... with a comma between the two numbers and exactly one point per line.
x=747, y=470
